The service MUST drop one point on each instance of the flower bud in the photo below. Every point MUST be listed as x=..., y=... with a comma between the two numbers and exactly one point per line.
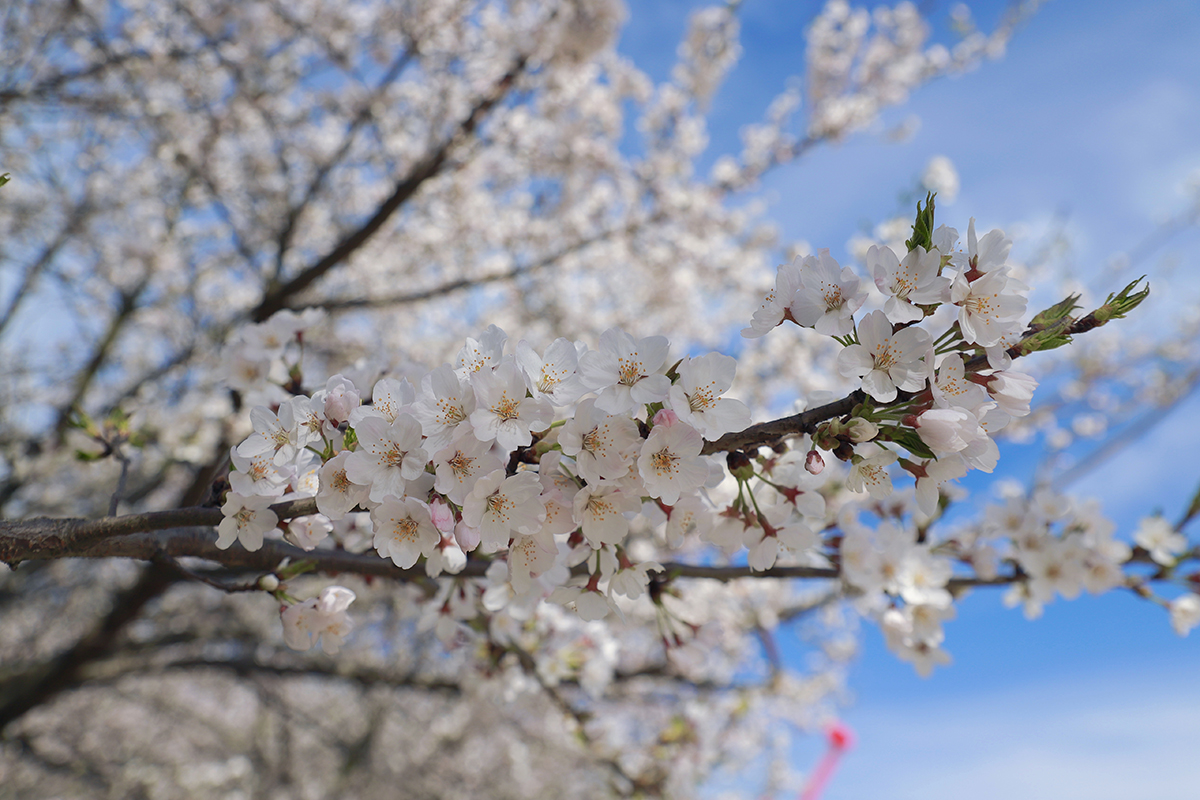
x=826, y=436
x=861, y=430
x=739, y=465
x=268, y=583
x=814, y=463
x=666, y=417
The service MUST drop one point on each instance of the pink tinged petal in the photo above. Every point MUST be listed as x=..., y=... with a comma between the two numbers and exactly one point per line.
x=666, y=417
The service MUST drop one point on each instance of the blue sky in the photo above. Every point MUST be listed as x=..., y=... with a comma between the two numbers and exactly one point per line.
x=1092, y=119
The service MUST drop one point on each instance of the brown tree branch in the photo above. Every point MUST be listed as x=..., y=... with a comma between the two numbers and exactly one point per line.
x=43, y=537
x=458, y=284
x=128, y=305
x=278, y=296
x=284, y=239
x=773, y=431
x=168, y=542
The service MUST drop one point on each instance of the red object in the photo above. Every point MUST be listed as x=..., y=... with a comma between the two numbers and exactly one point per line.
x=841, y=739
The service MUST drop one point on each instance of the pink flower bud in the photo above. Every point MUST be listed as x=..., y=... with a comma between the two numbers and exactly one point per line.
x=814, y=463
x=468, y=537
x=666, y=418
x=443, y=517
x=340, y=399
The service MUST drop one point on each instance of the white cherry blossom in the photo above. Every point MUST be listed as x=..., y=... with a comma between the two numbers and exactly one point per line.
x=600, y=509
x=482, y=353
x=246, y=520
x=696, y=396
x=258, y=474
x=404, y=530
x=554, y=375
x=529, y=556
x=500, y=506
x=1185, y=613
x=388, y=455
x=885, y=361
x=600, y=443
x=869, y=473
x=279, y=434
x=339, y=495
x=670, y=462
x=309, y=531
x=389, y=399
x=625, y=372
x=459, y=466
x=827, y=297
x=503, y=413
x=324, y=618
x=908, y=282
x=442, y=407
x=1012, y=391
x=951, y=388
x=989, y=307
x=984, y=255
x=775, y=305
x=1159, y=537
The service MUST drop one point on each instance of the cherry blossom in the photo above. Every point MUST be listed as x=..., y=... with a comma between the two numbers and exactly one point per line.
x=600, y=443
x=324, y=618
x=1161, y=540
x=827, y=297
x=338, y=494
x=1012, y=391
x=696, y=397
x=442, y=407
x=869, y=473
x=983, y=255
x=309, y=531
x=1185, y=613
x=774, y=306
x=989, y=307
x=555, y=375
x=670, y=462
x=908, y=282
x=459, y=466
x=625, y=371
x=389, y=399
x=404, y=530
x=499, y=506
x=246, y=520
x=504, y=414
x=388, y=455
x=480, y=354
x=280, y=435
x=600, y=509
x=885, y=361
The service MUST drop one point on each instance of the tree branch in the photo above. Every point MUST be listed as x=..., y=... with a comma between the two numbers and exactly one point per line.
x=277, y=297
x=769, y=432
x=44, y=537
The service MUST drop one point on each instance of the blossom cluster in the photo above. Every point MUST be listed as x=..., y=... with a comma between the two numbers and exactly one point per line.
x=940, y=398
x=538, y=460
x=553, y=467
x=959, y=389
